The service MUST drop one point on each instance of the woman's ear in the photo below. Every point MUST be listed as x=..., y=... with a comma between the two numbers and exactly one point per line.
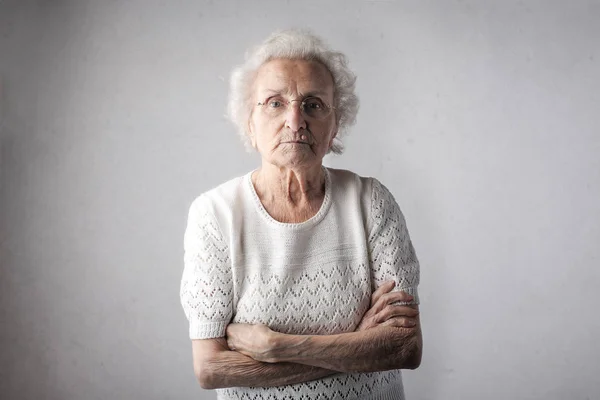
x=250, y=132
x=335, y=132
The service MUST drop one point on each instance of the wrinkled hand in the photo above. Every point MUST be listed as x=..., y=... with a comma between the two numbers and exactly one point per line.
x=255, y=341
x=383, y=311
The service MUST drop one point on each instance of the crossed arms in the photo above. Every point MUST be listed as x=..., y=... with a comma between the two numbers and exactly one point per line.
x=388, y=337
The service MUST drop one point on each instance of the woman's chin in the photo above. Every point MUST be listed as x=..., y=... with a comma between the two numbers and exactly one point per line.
x=298, y=158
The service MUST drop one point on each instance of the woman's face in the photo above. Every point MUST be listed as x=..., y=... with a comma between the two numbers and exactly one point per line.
x=284, y=135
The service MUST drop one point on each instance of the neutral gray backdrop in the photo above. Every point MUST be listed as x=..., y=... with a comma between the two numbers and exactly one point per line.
x=483, y=118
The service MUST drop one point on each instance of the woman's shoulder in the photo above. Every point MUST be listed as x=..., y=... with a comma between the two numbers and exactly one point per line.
x=224, y=194
x=344, y=176
x=371, y=191
x=351, y=191
x=343, y=179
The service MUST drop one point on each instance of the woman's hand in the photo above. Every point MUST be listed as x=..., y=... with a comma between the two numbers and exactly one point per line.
x=255, y=341
x=384, y=312
x=260, y=342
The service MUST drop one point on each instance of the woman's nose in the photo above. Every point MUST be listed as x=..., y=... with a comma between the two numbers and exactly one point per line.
x=294, y=117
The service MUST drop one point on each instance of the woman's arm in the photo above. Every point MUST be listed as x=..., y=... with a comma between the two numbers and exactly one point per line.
x=216, y=366
x=377, y=349
x=388, y=337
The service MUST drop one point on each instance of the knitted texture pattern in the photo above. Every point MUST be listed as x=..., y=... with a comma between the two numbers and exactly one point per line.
x=315, y=277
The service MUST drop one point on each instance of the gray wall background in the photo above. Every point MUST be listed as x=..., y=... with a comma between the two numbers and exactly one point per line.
x=483, y=118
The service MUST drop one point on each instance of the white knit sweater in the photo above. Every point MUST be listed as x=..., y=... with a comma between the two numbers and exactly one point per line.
x=314, y=277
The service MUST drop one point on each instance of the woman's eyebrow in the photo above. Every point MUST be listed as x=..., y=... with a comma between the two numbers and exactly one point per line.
x=272, y=91
x=309, y=93
x=317, y=92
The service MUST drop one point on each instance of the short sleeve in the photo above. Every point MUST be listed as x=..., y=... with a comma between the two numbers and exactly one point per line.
x=206, y=290
x=392, y=254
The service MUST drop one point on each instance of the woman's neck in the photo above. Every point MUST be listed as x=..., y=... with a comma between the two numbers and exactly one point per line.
x=290, y=195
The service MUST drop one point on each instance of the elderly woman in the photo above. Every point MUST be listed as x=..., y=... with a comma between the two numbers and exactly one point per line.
x=300, y=281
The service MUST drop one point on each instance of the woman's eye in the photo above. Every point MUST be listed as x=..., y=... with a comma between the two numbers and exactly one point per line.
x=314, y=104
x=275, y=104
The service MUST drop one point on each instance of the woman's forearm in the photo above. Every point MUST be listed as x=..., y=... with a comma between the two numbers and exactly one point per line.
x=230, y=370
x=376, y=349
x=226, y=368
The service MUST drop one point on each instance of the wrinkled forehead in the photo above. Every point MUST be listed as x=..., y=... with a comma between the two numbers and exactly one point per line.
x=294, y=78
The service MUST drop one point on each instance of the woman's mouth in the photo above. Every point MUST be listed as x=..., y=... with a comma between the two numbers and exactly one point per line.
x=295, y=142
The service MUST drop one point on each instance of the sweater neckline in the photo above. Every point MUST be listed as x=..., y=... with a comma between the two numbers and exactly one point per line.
x=315, y=219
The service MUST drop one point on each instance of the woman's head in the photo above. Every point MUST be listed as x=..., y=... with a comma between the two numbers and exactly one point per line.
x=305, y=91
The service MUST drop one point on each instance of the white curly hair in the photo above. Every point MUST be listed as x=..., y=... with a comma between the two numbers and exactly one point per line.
x=293, y=44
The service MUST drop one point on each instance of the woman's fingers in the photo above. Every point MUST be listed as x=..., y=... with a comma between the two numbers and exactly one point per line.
x=401, y=322
x=384, y=309
x=385, y=287
x=384, y=295
x=392, y=311
x=390, y=298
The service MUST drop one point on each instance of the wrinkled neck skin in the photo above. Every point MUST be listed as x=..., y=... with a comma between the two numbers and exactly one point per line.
x=290, y=195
